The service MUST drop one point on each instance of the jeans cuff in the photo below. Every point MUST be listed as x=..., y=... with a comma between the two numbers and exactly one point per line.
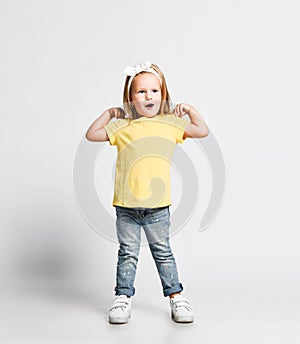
x=174, y=289
x=124, y=291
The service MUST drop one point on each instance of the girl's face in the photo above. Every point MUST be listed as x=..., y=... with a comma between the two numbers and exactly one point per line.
x=146, y=94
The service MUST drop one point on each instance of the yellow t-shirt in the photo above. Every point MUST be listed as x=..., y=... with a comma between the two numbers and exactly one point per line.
x=145, y=149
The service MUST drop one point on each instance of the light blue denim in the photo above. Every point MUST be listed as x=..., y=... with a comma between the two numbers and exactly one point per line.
x=156, y=223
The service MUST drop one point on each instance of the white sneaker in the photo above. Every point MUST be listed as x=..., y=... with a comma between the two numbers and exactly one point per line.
x=181, y=310
x=120, y=311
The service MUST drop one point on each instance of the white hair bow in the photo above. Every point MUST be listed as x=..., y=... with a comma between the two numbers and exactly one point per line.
x=132, y=71
x=142, y=67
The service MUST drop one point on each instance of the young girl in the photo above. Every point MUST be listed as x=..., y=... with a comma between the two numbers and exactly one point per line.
x=145, y=132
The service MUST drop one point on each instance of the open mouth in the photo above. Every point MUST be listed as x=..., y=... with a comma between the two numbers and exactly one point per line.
x=149, y=106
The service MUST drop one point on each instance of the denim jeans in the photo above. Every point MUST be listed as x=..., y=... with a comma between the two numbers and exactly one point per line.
x=156, y=223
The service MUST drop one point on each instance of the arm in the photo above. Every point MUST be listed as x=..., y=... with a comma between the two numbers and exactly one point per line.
x=96, y=131
x=197, y=128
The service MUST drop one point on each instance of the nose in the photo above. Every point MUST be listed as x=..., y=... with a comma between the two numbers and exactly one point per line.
x=148, y=95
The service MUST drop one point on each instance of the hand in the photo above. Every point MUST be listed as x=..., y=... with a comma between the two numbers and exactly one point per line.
x=181, y=109
x=116, y=112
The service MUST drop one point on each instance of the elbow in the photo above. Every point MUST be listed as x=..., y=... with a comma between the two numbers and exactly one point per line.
x=203, y=132
x=98, y=135
x=89, y=136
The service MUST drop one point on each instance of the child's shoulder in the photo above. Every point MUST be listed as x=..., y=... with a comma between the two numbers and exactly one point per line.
x=173, y=119
x=115, y=125
x=118, y=123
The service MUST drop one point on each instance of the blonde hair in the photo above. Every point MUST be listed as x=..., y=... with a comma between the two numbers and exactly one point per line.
x=165, y=97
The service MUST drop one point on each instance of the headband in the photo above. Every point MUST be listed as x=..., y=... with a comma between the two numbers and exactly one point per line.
x=142, y=67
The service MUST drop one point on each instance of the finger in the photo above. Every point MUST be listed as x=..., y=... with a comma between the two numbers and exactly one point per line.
x=186, y=108
x=181, y=110
x=120, y=112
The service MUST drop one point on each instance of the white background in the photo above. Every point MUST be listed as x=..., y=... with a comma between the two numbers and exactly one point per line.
x=61, y=66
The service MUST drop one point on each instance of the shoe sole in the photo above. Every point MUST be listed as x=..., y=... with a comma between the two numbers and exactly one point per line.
x=182, y=319
x=118, y=320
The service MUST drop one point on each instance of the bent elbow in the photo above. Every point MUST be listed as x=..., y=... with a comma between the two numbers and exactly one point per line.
x=89, y=136
x=202, y=133
x=205, y=132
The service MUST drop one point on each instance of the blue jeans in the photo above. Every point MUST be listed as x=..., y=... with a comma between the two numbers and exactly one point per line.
x=156, y=223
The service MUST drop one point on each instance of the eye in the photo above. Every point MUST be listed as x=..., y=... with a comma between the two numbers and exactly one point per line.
x=141, y=91
x=155, y=91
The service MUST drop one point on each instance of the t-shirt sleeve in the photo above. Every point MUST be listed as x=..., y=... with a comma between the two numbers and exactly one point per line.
x=112, y=129
x=180, y=125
